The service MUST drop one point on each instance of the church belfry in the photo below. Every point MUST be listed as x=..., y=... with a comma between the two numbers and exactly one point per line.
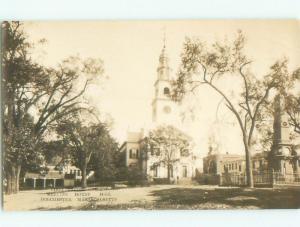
x=163, y=70
x=163, y=108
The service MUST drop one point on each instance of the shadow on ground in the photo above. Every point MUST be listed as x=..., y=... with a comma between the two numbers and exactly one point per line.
x=224, y=198
x=218, y=198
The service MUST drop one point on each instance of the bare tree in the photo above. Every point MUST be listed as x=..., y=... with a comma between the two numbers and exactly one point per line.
x=211, y=65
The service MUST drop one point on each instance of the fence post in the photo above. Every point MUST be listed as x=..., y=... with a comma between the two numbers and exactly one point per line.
x=273, y=180
x=220, y=179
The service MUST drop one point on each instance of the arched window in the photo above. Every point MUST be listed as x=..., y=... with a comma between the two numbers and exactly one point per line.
x=166, y=91
x=130, y=153
x=137, y=153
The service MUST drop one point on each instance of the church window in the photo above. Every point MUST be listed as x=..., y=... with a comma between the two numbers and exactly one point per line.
x=184, y=171
x=134, y=153
x=156, y=151
x=132, y=165
x=167, y=109
x=152, y=151
x=154, y=112
x=166, y=91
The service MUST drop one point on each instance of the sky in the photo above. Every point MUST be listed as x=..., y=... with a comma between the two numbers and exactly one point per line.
x=130, y=52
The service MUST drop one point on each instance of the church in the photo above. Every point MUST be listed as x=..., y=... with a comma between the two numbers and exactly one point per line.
x=164, y=112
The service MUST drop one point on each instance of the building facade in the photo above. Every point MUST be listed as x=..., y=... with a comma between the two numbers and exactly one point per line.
x=218, y=164
x=60, y=173
x=136, y=155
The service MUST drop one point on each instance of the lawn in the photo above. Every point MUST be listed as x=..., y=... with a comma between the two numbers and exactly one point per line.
x=156, y=197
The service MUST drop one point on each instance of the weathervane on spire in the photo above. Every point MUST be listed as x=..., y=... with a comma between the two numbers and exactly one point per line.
x=164, y=29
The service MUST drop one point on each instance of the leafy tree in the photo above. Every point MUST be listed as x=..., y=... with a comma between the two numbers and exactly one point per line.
x=83, y=141
x=45, y=94
x=105, y=161
x=168, y=144
x=211, y=65
x=293, y=110
x=19, y=151
x=54, y=149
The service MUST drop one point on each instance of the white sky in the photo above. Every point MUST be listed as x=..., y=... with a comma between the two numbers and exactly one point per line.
x=130, y=51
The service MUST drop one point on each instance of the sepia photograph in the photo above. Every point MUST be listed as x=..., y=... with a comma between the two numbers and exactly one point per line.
x=150, y=115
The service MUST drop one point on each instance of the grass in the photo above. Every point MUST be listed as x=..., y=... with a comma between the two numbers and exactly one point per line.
x=218, y=198
x=159, y=197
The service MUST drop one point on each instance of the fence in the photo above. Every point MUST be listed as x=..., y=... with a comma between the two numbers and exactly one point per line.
x=286, y=179
x=268, y=179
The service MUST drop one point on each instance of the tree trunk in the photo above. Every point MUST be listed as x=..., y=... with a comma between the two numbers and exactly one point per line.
x=169, y=174
x=83, y=180
x=249, y=173
x=13, y=179
x=8, y=183
x=18, y=170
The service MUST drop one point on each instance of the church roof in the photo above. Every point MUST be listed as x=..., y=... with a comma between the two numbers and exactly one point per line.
x=134, y=136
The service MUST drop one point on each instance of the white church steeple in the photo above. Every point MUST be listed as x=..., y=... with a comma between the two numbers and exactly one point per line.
x=163, y=108
x=163, y=69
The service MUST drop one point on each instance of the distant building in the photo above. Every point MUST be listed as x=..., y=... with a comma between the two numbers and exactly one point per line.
x=282, y=158
x=233, y=163
x=61, y=173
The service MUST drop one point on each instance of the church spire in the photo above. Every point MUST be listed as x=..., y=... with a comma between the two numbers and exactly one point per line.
x=164, y=38
x=163, y=66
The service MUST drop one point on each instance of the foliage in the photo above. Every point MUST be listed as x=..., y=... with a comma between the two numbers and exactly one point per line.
x=209, y=65
x=133, y=175
x=168, y=144
x=105, y=161
x=293, y=110
x=43, y=95
x=85, y=141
